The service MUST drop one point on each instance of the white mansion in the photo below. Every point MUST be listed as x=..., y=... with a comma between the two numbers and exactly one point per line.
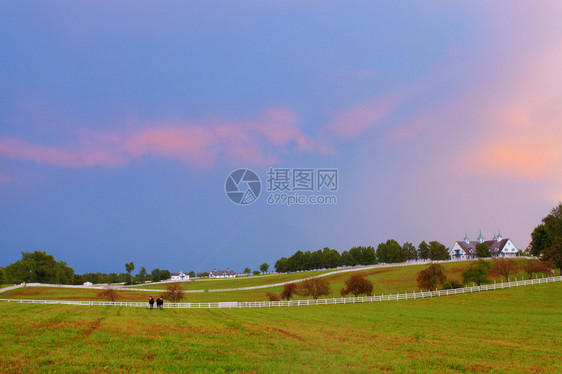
x=181, y=276
x=499, y=247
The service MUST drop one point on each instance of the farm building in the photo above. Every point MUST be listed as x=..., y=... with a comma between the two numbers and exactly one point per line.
x=222, y=274
x=181, y=276
x=88, y=284
x=499, y=247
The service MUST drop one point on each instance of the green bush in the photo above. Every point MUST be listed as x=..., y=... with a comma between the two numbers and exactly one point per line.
x=452, y=285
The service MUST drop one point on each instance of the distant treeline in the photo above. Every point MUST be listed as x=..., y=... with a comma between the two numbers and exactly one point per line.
x=389, y=252
x=40, y=267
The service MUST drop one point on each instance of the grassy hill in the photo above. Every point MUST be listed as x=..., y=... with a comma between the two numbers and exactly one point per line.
x=385, y=280
x=251, y=281
x=513, y=330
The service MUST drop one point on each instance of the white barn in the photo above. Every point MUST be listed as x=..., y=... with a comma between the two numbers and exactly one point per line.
x=499, y=247
x=181, y=276
x=222, y=274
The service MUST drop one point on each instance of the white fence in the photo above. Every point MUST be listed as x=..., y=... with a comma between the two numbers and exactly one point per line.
x=305, y=302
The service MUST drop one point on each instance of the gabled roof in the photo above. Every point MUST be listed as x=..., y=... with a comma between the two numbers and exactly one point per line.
x=222, y=272
x=470, y=248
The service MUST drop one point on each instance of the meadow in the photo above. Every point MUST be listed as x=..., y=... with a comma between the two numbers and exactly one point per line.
x=516, y=330
x=239, y=282
x=385, y=280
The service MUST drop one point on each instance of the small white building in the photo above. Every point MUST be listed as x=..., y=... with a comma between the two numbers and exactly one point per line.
x=499, y=247
x=181, y=276
x=88, y=284
x=222, y=274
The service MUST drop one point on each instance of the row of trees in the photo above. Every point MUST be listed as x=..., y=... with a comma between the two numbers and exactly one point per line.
x=434, y=276
x=40, y=267
x=389, y=252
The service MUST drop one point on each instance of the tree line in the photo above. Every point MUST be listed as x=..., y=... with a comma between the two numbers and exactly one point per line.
x=40, y=267
x=388, y=252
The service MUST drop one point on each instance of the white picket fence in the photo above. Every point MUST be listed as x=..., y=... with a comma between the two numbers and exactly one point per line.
x=304, y=302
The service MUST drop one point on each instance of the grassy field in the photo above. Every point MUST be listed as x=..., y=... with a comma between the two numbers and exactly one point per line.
x=518, y=330
x=60, y=293
x=385, y=281
x=215, y=284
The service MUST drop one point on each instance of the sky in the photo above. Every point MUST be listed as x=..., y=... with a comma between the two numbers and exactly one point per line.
x=120, y=124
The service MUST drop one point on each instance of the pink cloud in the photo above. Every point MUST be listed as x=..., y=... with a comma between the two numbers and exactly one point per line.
x=200, y=143
x=71, y=158
x=522, y=116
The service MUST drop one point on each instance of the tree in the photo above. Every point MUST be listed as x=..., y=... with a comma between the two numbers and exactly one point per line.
x=438, y=251
x=66, y=273
x=256, y=272
x=264, y=267
x=174, y=292
x=367, y=255
x=165, y=274
x=203, y=274
x=141, y=276
x=483, y=250
x=477, y=272
x=547, y=238
x=540, y=240
x=504, y=267
x=155, y=275
x=281, y=265
x=289, y=290
x=359, y=256
x=3, y=278
x=19, y=271
x=315, y=287
x=423, y=251
x=330, y=259
x=535, y=266
x=272, y=296
x=357, y=284
x=247, y=271
x=554, y=252
x=391, y=252
x=39, y=267
x=109, y=293
x=410, y=250
x=191, y=274
x=432, y=277
x=129, y=268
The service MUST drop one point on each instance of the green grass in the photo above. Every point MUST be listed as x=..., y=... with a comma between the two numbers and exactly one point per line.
x=215, y=284
x=385, y=280
x=517, y=330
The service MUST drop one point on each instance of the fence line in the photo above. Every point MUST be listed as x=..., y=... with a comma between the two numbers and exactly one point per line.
x=304, y=302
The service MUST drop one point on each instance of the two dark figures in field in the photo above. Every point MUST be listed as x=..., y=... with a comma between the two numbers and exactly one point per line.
x=159, y=302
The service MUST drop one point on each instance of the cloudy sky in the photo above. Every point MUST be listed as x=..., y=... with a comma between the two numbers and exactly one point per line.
x=119, y=124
